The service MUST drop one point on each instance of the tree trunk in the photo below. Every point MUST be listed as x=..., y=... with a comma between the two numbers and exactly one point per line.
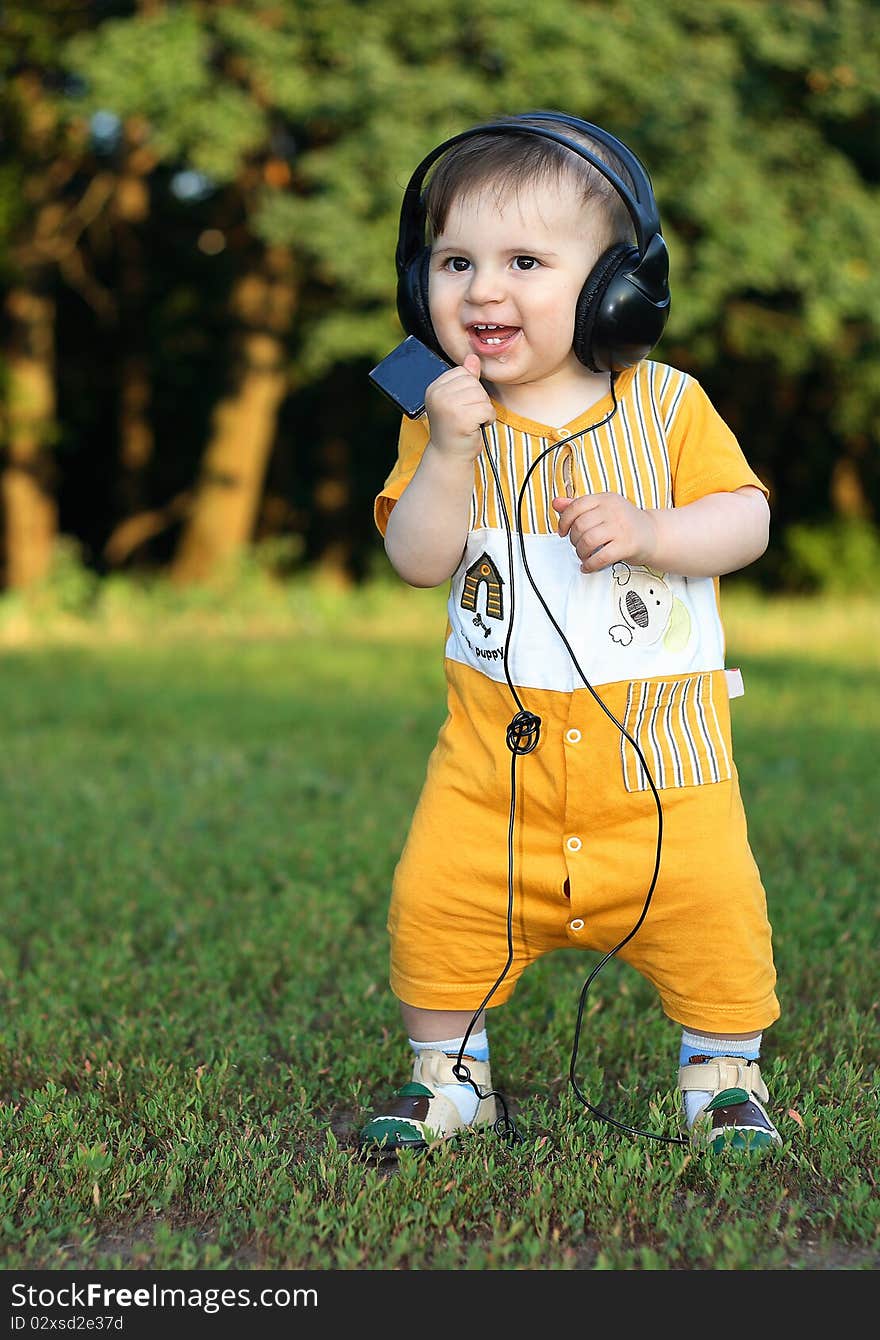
x=30, y=516
x=331, y=531
x=849, y=498
x=233, y=469
x=130, y=211
x=131, y=206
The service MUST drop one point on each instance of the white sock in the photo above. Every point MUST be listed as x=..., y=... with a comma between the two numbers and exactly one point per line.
x=694, y=1044
x=461, y=1094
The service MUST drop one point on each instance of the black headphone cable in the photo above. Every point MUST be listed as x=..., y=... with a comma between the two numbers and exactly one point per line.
x=523, y=734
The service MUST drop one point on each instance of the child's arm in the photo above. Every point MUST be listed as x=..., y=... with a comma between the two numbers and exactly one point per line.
x=428, y=525
x=719, y=533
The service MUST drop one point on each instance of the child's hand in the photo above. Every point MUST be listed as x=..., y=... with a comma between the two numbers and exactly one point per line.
x=457, y=404
x=606, y=528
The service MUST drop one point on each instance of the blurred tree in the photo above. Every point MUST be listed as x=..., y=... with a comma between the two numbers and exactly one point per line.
x=130, y=217
x=293, y=125
x=183, y=96
x=759, y=124
x=40, y=229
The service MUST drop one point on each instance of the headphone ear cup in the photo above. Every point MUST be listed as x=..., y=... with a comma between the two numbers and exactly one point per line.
x=412, y=300
x=588, y=313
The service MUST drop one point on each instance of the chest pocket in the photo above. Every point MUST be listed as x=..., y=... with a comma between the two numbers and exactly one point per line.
x=682, y=734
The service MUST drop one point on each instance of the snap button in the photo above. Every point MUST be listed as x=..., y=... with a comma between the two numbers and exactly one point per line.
x=559, y=434
x=576, y=925
x=574, y=844
x=573, y=736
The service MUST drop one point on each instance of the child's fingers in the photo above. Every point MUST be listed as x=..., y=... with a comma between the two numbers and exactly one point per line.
x=461, y=379
x=572, y=508
x=471, y=365
x=458, y=389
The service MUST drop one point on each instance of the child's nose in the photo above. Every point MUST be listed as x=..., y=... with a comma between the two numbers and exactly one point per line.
x=485, y=286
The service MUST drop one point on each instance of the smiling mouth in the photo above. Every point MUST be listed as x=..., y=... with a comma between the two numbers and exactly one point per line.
x=489, y=338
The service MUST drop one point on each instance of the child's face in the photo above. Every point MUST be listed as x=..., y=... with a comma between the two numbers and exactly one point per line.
x=516, y=262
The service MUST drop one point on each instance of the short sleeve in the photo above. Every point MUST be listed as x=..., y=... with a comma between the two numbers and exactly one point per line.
x=411, y=444
x=705, y=456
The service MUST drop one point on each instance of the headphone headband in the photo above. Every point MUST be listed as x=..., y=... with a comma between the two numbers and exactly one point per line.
x=640, y=206
x=645, y=269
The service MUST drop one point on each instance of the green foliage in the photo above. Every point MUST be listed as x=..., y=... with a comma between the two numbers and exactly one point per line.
x=840, y=558
x=70, y=586
x=12, y=210
x=756, y=121
x=752, y=119
x=158, y=70
x=31, y=131
x=763, y=208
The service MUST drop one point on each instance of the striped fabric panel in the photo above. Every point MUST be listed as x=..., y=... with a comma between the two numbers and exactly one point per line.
x=512, y=452
x=670, y=386
x=628, y=455
x=679, y=736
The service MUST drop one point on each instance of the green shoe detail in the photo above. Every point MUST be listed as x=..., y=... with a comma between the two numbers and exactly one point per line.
x=727, y=1098
x=394, y=1132
x=741, y=1139
x=421, y=1115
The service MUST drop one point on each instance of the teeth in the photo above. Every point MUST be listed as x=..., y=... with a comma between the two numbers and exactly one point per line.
x=481, y=330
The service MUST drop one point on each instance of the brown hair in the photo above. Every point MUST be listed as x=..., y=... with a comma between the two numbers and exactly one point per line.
x=510, y=162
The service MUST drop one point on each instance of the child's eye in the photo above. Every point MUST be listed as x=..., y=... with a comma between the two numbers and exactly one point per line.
x=457, y=264
x=526, y=262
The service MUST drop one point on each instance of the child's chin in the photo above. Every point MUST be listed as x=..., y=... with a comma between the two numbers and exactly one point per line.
x=501, y=369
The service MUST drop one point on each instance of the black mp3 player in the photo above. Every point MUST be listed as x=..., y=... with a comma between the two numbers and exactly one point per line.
x=405, y=375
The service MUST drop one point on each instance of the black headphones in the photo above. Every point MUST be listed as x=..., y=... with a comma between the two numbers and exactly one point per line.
x=624, y=303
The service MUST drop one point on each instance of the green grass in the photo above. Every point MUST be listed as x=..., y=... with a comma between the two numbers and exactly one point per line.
x=203, y=806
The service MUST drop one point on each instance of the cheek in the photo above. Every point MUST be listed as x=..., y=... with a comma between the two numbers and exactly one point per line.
x=441, y=304
x=443, y=310
x=556, y=312
x=555, y=333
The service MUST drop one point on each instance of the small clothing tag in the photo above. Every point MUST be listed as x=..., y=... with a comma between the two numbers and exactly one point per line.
x=735, y=687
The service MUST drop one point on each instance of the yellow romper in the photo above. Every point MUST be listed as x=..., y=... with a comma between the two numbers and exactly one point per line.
x=651, y=645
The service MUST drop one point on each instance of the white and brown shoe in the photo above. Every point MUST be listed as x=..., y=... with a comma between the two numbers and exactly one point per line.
x=734, y=1117
x=420, y=1116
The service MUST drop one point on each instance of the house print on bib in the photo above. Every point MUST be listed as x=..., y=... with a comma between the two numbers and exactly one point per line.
x=483, y=572
x=648, y=609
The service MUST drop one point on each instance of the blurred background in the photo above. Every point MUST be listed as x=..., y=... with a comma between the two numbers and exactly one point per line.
x=198, y=213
